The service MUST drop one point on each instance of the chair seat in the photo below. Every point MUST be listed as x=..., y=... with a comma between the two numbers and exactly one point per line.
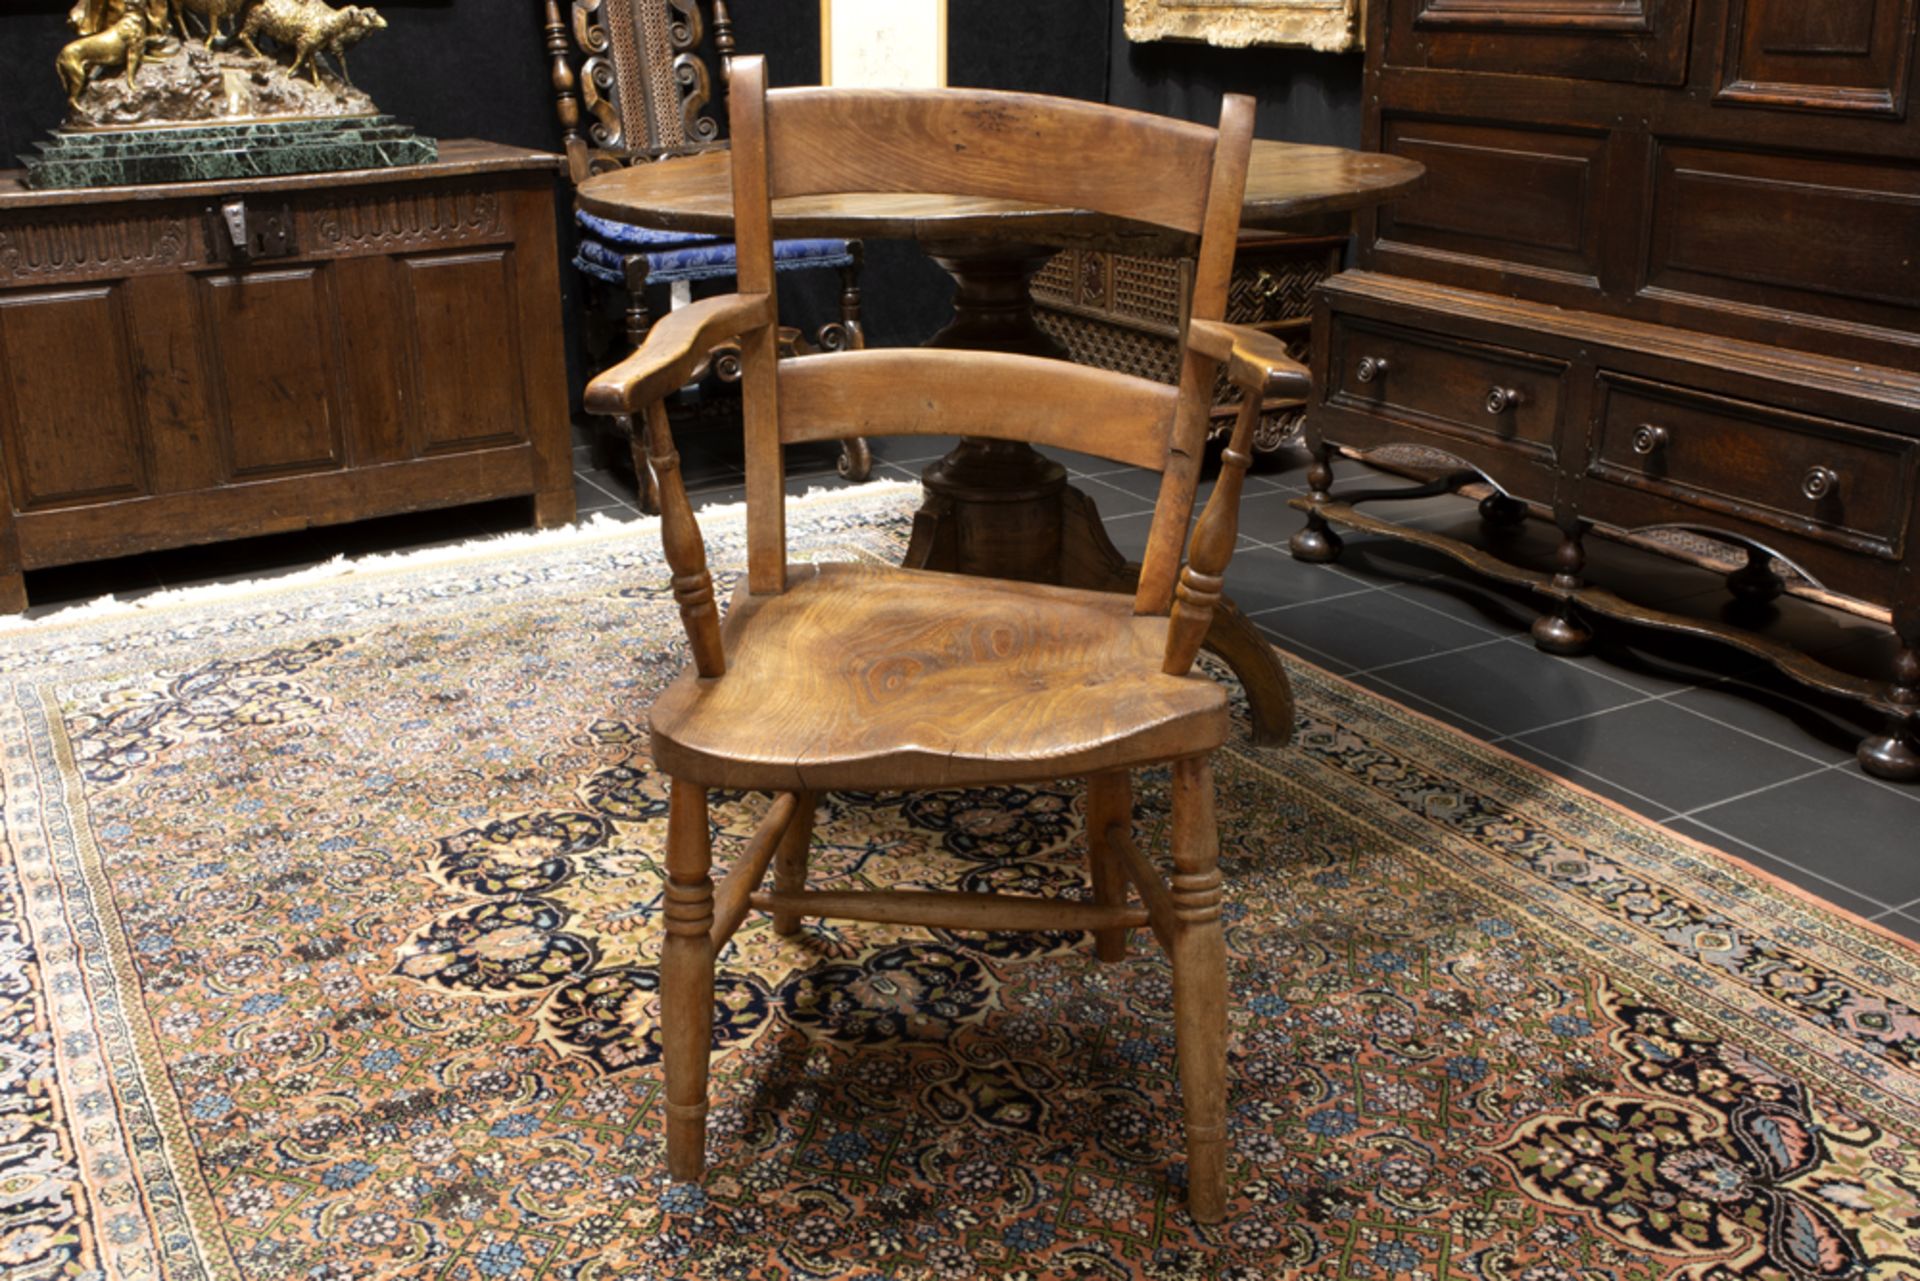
x=880, y=678
x=605, y=246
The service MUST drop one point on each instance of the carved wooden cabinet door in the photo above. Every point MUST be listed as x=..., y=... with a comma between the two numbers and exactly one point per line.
x=1636, y=41
x=1850, y=56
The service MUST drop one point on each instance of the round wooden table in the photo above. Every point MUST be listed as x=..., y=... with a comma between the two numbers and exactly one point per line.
x=1000, y=507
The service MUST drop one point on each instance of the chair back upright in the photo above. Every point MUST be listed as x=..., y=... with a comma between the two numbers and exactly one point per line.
x=1053, y=152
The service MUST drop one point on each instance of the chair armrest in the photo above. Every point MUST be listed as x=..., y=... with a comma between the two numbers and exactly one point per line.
x=675, y=345
x=1257, y=362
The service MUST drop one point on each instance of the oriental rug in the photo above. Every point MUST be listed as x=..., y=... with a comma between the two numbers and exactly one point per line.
x=328, y=917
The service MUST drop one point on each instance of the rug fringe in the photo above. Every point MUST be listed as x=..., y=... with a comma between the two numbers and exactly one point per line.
x=594, y=527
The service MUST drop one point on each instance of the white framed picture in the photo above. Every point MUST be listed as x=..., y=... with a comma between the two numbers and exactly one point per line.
x=883, y=44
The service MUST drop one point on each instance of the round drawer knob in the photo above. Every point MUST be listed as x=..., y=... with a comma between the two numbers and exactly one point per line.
x=1371, y=368
x=1649, y=439
x=1501, y=399
x=1820, y=482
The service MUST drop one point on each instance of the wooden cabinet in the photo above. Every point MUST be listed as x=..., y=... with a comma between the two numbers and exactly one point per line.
x=186, y=363
x=1685, y=236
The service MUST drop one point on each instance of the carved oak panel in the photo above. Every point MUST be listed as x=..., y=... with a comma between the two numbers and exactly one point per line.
x=1514, y=194
x=268, y=333
x=467, y=367
x=68, y=424
x=1633, y=41
x=1834, y=55
x=1826, y=236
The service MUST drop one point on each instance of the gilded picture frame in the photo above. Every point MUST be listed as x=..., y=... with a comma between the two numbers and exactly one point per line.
x=1330, y=26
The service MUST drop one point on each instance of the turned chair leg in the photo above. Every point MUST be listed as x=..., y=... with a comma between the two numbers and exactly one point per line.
x=686, y=980
x=1200, y=987
x=790, y=862
x=1109, y=801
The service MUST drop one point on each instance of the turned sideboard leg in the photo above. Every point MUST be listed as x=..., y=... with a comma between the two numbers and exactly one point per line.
x=1562, y=632
x=1895, y=755
x=1755, y=583
x=1499, y=512
x=1317, y=544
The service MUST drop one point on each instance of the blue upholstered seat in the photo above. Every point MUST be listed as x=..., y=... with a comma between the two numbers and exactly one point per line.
x=605, y=246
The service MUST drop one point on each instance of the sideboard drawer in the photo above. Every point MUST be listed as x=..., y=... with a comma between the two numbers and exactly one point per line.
x=1486, y=392
x=1813, y=476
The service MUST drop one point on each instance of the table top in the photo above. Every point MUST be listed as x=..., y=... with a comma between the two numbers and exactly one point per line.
x=1286, y=183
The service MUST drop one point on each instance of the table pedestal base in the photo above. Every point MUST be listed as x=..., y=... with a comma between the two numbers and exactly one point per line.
x=999, y=508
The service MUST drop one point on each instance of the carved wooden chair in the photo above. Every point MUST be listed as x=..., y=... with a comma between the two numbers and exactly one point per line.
x=640, y=94
x=871, y=677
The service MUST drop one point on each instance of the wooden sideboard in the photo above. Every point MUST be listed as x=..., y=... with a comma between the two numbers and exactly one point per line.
x=1664, y=274
x=192, y=362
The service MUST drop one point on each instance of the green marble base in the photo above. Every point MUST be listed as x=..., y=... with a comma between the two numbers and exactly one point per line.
x=211, y=153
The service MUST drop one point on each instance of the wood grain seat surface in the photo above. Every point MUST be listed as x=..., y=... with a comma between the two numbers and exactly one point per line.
x=876, y=677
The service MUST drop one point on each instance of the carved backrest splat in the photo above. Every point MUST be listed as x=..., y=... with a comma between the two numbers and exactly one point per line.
x=642, y=86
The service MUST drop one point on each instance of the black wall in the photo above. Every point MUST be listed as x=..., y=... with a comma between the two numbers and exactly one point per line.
x=476, y=68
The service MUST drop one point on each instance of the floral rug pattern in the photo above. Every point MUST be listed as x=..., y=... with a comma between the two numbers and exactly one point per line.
x=329, y=917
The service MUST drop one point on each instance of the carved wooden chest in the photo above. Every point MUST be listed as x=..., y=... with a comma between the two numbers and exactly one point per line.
x=193, y=362
x=1125, y=311
x=1664, y=274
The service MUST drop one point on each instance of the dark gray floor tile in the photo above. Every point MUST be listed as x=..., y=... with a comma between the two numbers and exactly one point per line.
x=1408, y=699
x=718, y=495
x=1645, y=806
x=1780, y=711
x=1650, y=662
x=1372, y=629
x=1471, y=602
x=1833, y=892
x=1510, y=688
x=1670, y=756
x=589, y=496
x=1112, y=500
x=1842, y=826
x=1129, y=533
x=1263, y=578
x=1291, y=647
x=1267, y=517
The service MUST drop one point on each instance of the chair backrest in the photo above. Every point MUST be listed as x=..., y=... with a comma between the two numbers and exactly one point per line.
x=1053, y=152
x=631, y=81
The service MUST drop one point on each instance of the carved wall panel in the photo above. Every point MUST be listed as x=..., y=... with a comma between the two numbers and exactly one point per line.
x=1835, y=55
x=1331, y=26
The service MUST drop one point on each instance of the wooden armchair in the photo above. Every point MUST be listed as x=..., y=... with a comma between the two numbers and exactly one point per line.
x=632, y=86
x=869, y=677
